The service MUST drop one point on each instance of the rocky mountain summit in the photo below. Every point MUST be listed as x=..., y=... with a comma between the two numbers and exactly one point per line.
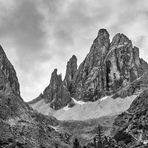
x=108, y=69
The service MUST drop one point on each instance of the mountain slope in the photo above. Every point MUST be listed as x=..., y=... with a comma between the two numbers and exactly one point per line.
x=134, y=121
x=8, y=77
x=19, y=124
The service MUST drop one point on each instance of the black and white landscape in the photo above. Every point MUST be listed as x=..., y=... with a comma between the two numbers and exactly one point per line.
x=100, y=101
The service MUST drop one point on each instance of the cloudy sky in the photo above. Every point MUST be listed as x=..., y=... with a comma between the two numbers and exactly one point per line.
x=40, y=35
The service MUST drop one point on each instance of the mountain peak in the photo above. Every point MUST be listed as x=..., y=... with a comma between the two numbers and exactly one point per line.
x=73, y=57
x=72, y=60
x=120, y=39
x=71, y=70
x=103, y=33
x=102, y=38
x=55, y=71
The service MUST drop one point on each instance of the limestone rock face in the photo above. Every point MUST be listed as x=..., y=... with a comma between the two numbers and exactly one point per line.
x=70, y=73
x=108, y=67
x=90, y=71
x=122, y=63
x=56, y=93
x=8, y=78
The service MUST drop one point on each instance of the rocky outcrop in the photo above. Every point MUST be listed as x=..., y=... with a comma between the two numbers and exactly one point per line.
x=108, y=67
x=56, y=93
x=70, y=73
x=10, y=101
x=8, y=78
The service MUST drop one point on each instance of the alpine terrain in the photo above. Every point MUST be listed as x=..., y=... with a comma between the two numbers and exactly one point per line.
x=105, y=99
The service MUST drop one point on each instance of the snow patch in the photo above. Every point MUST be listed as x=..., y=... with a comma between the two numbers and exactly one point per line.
x=66, y=108
x=87, y=110
x=78, y=102
x=145, y=142
x=54, y=127
x=104, y=98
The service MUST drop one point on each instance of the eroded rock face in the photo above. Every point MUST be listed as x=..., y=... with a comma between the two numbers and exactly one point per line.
x=56, y=93
x=70, y=73
x=108, y=67
x=122, y=63
x=86, y=79
x=8, y=78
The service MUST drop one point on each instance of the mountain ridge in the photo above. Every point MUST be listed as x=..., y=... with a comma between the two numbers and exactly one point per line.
x=108, y=66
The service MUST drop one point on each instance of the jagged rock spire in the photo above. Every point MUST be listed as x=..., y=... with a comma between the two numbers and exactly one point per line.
x=55, y=93
x=71, y=70
x=102, y=38
x=55, y=82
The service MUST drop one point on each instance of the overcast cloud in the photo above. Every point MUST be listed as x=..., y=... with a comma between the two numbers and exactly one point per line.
x=40, y=35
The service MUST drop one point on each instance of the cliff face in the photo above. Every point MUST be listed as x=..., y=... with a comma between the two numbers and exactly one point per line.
x=71, y=70
x=8, y=78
